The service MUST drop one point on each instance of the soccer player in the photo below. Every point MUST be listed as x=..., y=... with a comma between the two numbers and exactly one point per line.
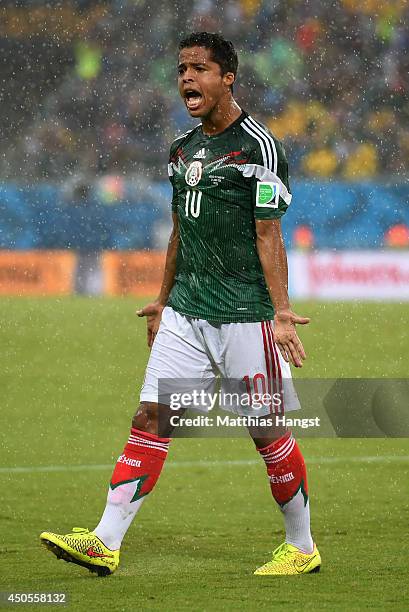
x=223, y=308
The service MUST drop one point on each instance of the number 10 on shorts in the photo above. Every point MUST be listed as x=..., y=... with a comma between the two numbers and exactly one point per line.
x=257, y=388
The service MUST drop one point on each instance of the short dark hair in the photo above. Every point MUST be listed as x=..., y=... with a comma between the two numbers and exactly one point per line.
x=223, y=51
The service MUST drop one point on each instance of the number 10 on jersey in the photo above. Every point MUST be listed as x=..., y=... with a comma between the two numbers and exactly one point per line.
x=192, y=203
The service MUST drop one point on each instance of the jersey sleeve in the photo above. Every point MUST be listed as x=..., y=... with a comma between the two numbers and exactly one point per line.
x=172, y=159
x=270, y=189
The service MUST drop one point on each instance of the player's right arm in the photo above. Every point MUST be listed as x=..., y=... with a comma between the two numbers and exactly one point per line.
x=153, y=311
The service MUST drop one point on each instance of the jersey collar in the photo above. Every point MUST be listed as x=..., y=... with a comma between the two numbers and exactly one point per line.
x=229, y=127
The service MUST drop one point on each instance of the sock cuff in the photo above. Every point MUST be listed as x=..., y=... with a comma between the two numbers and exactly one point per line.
x=148, y=438
x=276, y=444
x=279, y=450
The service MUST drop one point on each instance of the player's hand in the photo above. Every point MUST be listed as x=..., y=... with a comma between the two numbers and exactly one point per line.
x=285, y=336
x=153, y=314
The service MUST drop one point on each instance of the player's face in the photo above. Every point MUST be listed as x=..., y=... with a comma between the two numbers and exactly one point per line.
x=200, y=81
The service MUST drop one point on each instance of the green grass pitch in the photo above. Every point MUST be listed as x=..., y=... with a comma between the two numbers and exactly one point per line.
x=70, y=375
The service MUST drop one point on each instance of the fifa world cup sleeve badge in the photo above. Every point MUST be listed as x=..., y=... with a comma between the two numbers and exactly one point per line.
x=267, y=194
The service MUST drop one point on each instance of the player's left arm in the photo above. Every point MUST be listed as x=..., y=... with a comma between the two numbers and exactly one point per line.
x=273, y=259
x=271, y=197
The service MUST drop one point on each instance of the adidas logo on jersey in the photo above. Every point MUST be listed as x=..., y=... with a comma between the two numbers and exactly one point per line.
x=200, y=154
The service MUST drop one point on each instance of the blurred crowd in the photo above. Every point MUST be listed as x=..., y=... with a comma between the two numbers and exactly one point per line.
x=329, y=77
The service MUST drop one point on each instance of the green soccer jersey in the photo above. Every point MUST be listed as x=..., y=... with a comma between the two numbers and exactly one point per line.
x=221, y=185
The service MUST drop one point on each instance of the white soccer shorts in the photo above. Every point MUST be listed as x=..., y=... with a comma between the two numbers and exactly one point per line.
x=192, y=353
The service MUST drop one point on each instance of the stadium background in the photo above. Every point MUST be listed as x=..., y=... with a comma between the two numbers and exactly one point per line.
x=89, y=107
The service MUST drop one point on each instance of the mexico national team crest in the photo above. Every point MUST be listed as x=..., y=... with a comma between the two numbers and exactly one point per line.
x=194, y=173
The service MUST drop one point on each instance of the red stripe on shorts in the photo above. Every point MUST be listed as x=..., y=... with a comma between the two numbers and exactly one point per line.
x=267, y=358
x=277, y=366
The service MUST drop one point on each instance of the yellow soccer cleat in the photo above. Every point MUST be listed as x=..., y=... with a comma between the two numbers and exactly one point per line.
x=83, y=548
x=288, y=560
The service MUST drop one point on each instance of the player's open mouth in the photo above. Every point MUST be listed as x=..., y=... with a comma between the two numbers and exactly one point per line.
x=193, y=99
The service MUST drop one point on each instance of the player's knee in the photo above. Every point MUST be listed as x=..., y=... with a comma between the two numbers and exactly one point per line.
x=263, y=437
x=146, y=418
